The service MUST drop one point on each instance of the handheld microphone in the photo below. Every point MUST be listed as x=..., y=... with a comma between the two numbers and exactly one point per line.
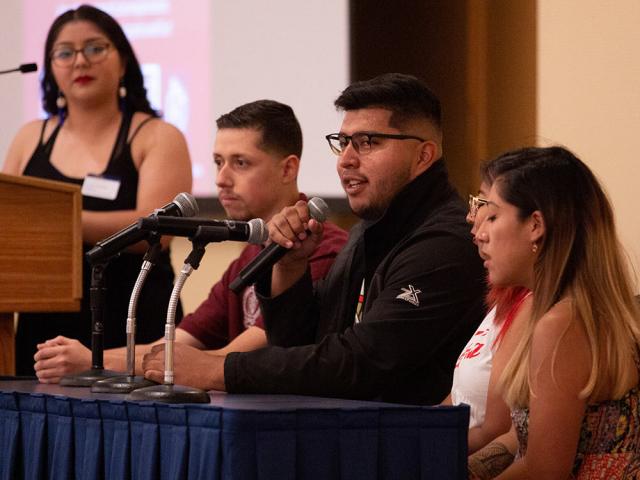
x=262, y=263
x=254, y=231
x=183, y=205
x=24, y=68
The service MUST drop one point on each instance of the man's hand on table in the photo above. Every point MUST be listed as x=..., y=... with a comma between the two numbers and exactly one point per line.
x=191, y=367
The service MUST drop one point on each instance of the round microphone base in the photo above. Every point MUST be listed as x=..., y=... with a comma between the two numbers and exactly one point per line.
x=86, y=378
x=124, y=384
x=169, y=394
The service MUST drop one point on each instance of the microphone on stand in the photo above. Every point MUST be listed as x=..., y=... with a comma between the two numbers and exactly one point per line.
x=98, y=257
x=183, y=205
x=262, y=263
x=254, y=231
x=24, y=68
x=168, y=392
x=128, y=383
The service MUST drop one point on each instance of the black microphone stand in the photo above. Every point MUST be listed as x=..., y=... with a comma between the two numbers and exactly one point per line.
x=130, y=382
x=168, y=392
x=97, y=298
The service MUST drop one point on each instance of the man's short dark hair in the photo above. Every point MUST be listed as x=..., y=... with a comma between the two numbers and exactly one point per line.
x=281, y=132
x=406, y=96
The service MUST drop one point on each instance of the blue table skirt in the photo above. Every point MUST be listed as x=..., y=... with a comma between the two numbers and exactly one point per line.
x=56, y=432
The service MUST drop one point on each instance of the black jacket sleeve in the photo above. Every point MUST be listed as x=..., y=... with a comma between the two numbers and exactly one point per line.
x=422, y=306
x=291, y=317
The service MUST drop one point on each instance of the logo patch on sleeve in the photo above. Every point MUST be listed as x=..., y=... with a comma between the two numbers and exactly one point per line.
x=250, y=306
x=410, y=295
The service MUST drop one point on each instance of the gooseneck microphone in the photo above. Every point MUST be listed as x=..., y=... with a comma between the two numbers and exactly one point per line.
x=184, y=205
x=254, y=231
x=261, y=264
x=24, y=68
x=168, y=392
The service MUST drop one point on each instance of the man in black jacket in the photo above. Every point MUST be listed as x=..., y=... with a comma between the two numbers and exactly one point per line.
x=401, y=299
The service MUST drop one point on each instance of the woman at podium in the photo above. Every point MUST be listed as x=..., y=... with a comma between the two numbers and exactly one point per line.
x=101, y=133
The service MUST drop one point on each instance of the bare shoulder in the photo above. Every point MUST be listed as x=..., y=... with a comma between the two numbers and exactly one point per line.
x=30, y=132
x=154, y=129
x=560, y=347
x=22, y=147
x=156, y=143
x=559, y=320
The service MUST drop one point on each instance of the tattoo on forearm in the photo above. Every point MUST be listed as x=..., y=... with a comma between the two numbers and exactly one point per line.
x=489, y=462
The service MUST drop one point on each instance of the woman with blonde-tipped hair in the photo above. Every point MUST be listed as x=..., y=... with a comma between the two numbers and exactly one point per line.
x=572, y=382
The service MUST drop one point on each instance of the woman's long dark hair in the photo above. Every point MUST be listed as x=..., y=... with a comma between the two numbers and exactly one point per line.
x=136, y=99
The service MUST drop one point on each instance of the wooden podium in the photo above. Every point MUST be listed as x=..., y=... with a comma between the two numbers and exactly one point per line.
x=40, y=253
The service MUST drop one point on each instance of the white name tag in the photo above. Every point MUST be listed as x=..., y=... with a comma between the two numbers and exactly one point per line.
x=100, y=187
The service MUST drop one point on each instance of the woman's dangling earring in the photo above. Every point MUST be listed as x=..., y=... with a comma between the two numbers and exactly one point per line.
x=534, y=248
x=61, y=102
x=122, y=90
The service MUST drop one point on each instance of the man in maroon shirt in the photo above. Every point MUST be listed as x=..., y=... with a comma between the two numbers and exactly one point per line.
x=257, y=155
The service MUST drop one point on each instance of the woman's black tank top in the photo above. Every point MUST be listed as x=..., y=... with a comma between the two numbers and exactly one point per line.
x=120, y=167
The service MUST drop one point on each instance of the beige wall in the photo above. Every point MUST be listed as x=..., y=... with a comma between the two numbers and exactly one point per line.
x=214, y=263
x=588, y=66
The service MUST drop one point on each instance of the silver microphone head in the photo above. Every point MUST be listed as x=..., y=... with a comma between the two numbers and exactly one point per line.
x=258, y=232
x=318, y=209
x=187, y=204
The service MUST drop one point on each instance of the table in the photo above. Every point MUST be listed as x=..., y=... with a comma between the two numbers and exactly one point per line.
x=48, y=431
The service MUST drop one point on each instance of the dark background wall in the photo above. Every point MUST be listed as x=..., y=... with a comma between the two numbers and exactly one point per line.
x=477, y=55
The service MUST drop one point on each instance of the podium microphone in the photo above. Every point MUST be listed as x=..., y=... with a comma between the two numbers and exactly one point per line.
x=24, y=68
x=261, y=264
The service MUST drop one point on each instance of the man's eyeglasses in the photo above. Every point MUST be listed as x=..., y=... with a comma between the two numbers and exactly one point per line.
x=475, y=202
x=362, y=141
x=94, y=52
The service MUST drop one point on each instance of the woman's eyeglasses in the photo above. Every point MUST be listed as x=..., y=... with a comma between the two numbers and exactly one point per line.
x=95, y=52
x=475, y=202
